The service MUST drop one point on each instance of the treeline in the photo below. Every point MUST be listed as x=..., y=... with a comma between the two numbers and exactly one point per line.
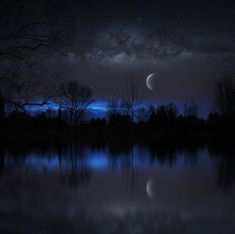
x=124, y=117
x=160, y=122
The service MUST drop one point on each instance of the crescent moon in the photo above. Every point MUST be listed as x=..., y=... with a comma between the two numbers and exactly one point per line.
x=149, y=81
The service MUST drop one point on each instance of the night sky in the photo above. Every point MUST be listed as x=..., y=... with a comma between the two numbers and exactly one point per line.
x=188, y=44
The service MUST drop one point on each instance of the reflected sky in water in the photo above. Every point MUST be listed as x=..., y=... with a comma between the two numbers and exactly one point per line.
x=101, y=160
x=112, y=189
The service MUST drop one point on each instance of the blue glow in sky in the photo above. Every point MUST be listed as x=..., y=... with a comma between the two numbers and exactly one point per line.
x=100, y=108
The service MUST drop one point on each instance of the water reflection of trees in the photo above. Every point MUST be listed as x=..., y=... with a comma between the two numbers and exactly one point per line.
x=73, y=165
x=71, y=158
x=122, y=158
x=163, y=153
x=121, y=155
x=125, y=156
x=225, y=155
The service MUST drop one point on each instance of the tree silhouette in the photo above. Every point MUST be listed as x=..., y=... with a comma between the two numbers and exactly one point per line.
x=191, y=109
x=2, y=108
x=113, y=107
x=28, y=34
x=225, y=95
x=75, y=98
x=130, y=98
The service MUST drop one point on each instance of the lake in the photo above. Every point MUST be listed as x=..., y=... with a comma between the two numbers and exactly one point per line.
x=84, y=188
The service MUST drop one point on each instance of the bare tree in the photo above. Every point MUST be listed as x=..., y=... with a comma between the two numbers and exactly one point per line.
x=33, y=88
x=130, y=98
x=191, y=109
x=2, y=107
x=24, y=28
x=75, y=98
x=113, y=107
x=225, y=95
x=27, y=33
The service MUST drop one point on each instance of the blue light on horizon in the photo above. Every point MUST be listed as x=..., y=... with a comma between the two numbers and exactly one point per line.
x=100, y=108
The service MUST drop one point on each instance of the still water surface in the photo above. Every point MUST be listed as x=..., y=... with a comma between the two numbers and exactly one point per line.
x=135, y=189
